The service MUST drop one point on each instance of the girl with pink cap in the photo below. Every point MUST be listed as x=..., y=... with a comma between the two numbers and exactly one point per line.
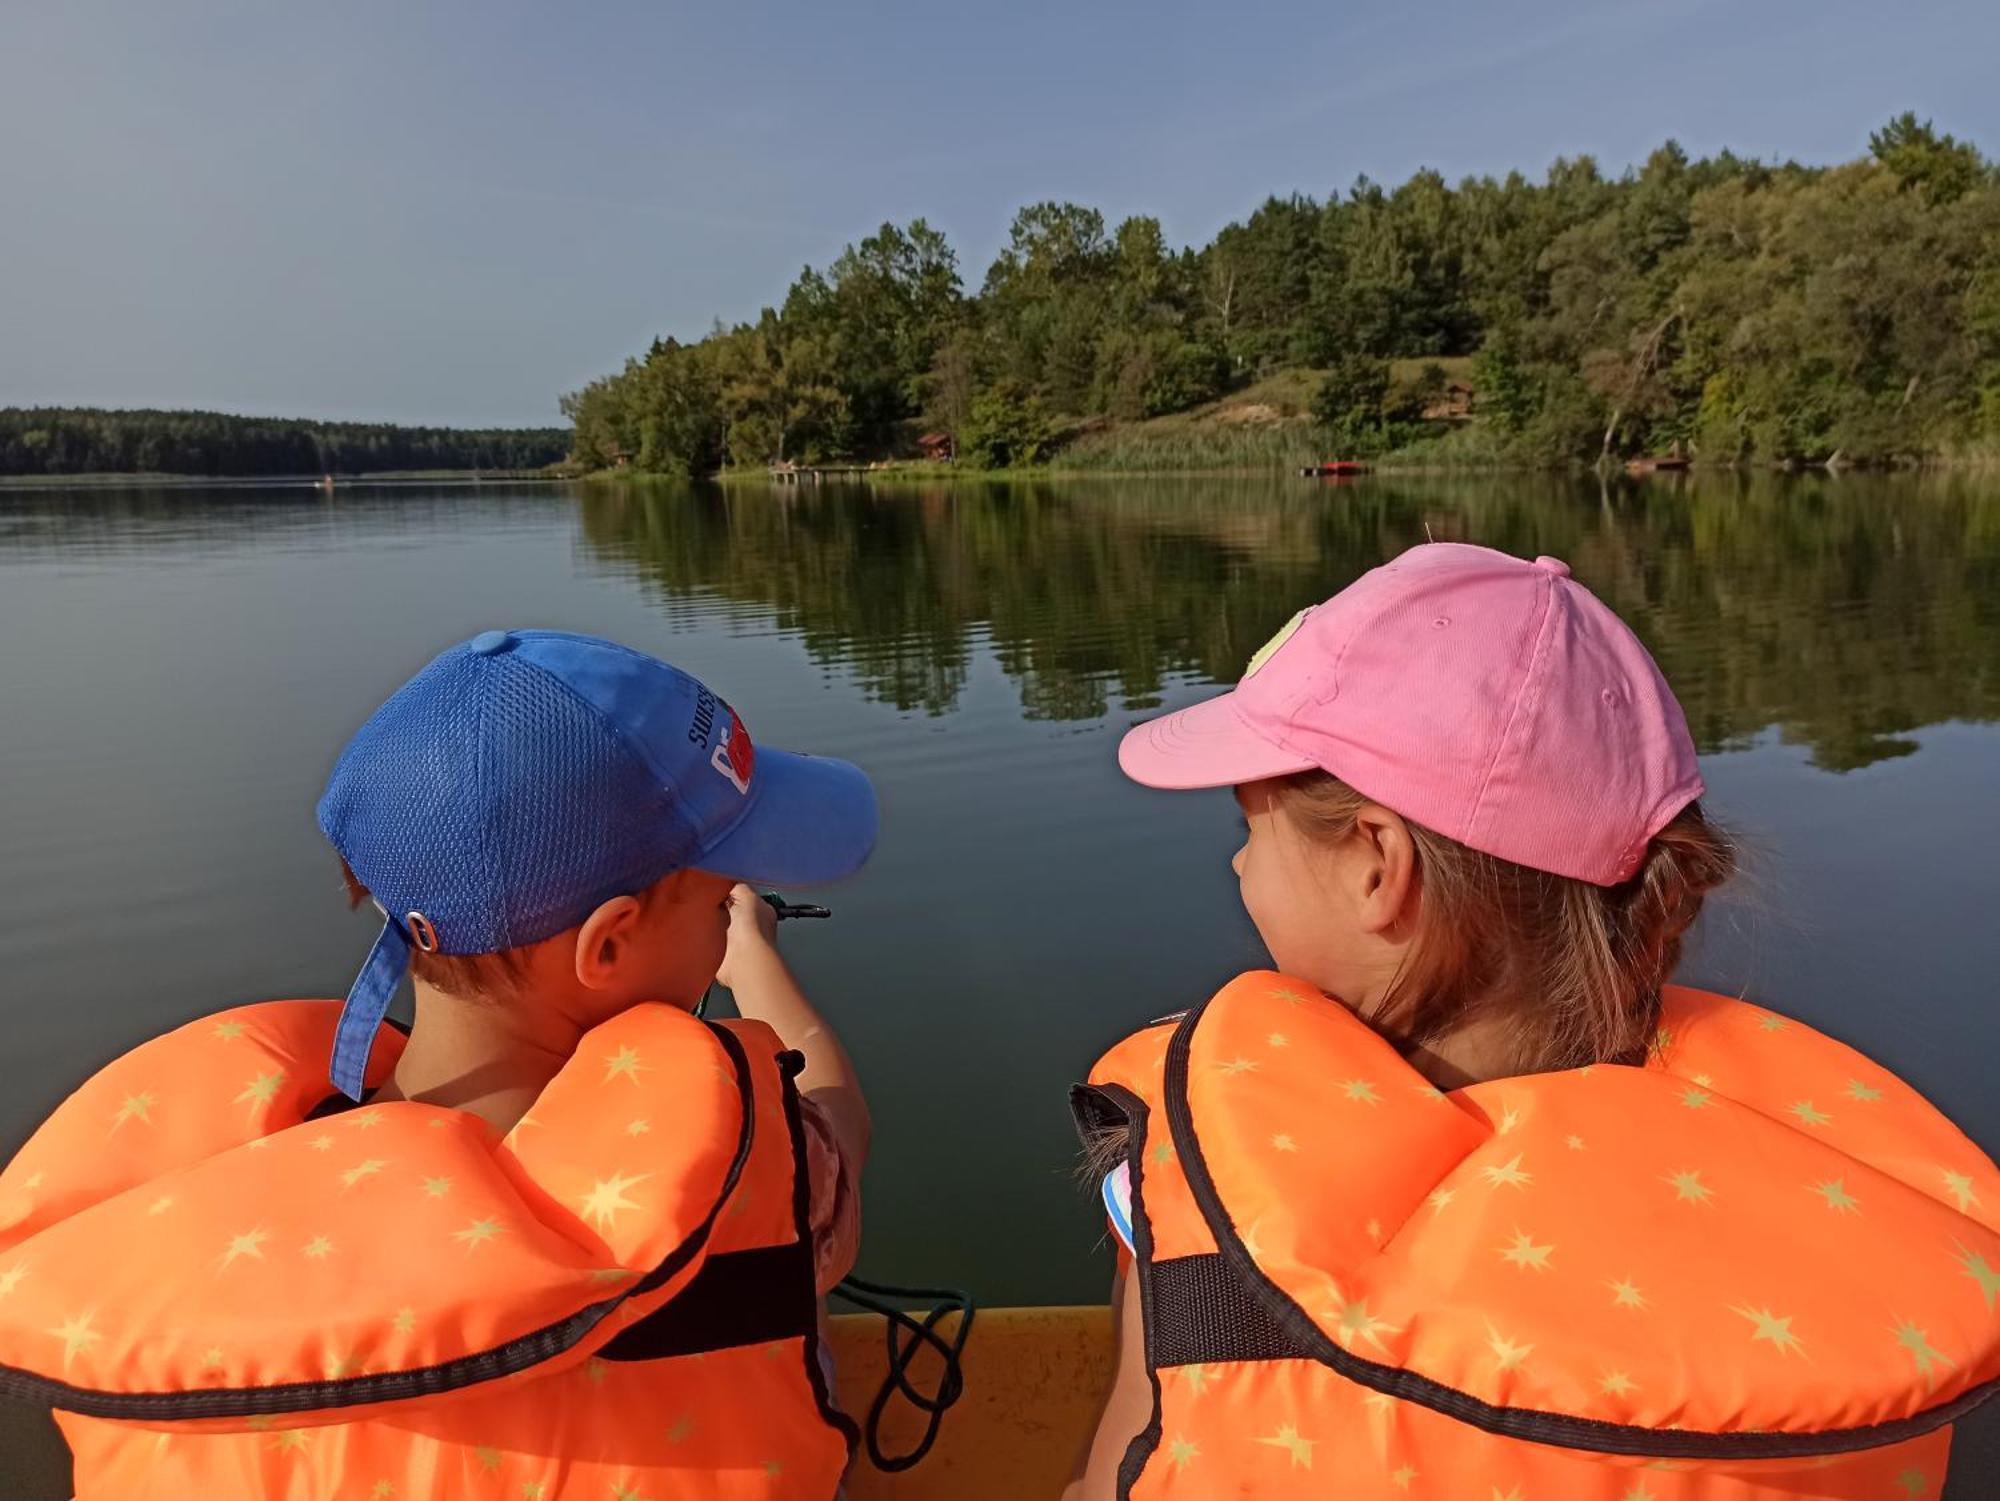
x=1464, y=1199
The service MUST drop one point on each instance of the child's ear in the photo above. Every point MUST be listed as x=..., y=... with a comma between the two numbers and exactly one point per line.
x=603, y=942
x=1388, y=868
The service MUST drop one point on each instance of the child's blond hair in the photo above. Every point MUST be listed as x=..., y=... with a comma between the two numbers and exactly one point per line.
x=1573, y=969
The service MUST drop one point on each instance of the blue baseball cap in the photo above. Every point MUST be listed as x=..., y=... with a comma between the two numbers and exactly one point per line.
x=524, y=778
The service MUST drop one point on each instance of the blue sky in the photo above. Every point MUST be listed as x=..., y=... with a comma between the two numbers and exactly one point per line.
x=448, y=212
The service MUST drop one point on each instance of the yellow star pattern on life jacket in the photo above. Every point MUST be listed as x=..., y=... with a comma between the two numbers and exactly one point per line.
x=1980, y=1271
x=436, y=1188
x=1959, y=1186
x=360, y=1170
x=1198, y=1377
x=1440, y=1198
x=1287, y=1438
x=77, y=1336
x=1625, y=1294
x=1402, y=1475
x=249, y=1243
x=135, y=1107
x=321, y=1143
x=1507, y=1352
x=488, y=1457
x=1927, y=1356
x=606, y=1199
x=1522, y=1252
x=228, y=1031
x=161, y=1205
x=1834, y=1191
x=1912, y=1482
x=1360, y=1090
x=1234, y=1066
x=1356, y=1322
x=1283, y=1143
x=1696, y=1099
x=1509, y=1174
x=366, y=1120
x=480, y=1231
x=624, y=1064
x=318, y=1248
x=405, y=1321
x=1617, y=1384
x=1867, y=1094
x=683, y=1426
x=1808, y=1113
x=1772, y=1329
x=11, y=1278
x=380, y=1489
x=638, y=1127
x=262, y=1089
x=1181, y=1453
x=1688, y=1187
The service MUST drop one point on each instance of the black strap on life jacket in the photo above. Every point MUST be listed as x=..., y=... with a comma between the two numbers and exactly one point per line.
x=1200, y=1309
x=737, y=1298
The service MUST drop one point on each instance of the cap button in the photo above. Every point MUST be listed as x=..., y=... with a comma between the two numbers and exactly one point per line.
x=490, y=643
x=1553, y=565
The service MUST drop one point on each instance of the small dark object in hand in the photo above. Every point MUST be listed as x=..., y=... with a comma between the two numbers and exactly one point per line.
x=786, y=909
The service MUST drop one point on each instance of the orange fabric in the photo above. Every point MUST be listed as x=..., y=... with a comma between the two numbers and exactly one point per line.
x=1759, y=1231
x=397, y=1300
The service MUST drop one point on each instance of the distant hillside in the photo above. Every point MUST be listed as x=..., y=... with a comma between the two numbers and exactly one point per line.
x=1728, y=308
x=88, y=440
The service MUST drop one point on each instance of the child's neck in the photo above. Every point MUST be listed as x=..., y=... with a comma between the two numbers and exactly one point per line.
x=1484, y=1048
x=489, y=1058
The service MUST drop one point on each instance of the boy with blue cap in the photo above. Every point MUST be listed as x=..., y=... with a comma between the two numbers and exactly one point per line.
x=565, y=1236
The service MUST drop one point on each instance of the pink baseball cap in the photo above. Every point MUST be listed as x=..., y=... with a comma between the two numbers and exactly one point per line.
x=1495, y=701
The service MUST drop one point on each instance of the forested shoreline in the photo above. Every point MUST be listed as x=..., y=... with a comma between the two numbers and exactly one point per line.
x=1726, y=308
x=89, y=440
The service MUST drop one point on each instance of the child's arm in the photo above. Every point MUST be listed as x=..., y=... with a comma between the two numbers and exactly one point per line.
x=1128, y=1405
x=765, y=991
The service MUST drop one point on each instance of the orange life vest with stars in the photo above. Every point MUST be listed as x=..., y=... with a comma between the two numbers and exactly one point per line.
x=1757, y=1267
x=226, y=1292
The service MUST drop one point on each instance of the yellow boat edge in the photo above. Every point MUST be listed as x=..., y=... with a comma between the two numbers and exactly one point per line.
x=1034, y=1380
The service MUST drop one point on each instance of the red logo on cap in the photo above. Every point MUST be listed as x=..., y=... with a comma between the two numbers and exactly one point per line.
x=734, y=756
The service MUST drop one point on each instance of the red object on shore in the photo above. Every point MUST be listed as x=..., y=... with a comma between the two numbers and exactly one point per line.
x=1335, y=467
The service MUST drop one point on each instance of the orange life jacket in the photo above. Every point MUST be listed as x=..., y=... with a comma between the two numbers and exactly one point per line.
x=228, y=1293
x=1757, y=1267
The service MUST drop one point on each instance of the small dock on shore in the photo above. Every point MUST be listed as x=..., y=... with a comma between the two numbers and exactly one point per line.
x=814, y=474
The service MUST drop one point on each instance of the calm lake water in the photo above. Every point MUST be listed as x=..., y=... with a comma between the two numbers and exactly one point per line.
x=181, y=666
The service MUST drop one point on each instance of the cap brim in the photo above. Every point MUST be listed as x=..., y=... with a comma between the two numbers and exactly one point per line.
x=1207, y=745
x=810, y=819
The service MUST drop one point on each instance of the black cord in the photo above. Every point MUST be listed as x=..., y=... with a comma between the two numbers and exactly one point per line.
x=951, y=1385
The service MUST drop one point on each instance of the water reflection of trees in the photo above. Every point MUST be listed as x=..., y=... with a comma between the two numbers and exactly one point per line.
x=1846, y=611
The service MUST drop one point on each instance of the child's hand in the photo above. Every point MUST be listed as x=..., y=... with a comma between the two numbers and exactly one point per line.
x=753, y=933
